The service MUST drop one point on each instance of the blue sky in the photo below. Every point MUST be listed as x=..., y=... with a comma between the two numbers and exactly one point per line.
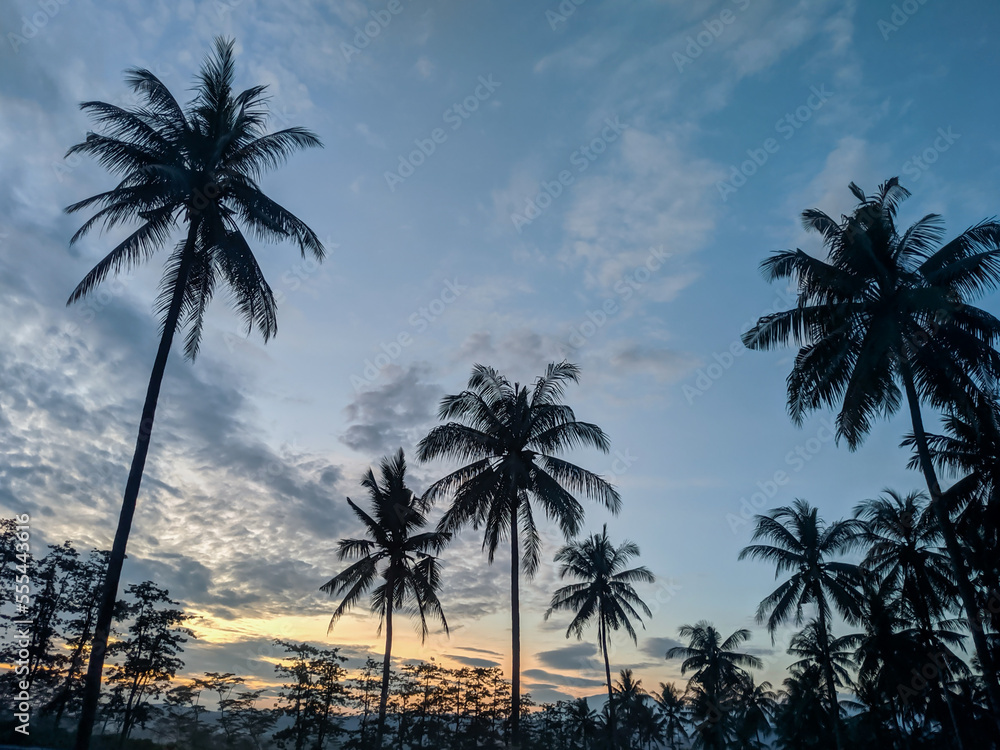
x=505, y=183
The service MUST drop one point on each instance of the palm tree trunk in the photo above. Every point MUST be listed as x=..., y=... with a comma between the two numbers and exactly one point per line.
x=92, y=685
x=962, y=579
x=515, y=629
x=384, y=699
x=603, y=637
x=831, y=687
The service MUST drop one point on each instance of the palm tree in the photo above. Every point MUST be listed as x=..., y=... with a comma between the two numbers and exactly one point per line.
x=886, y=309
x=510, y=436
x=394, y=558
x=196, y=167
x=628, y=694
x=756, y=704
x=603, y=592
x=674, y=711
x=719, y=670
x=583, y=722
x=971, y=446
x=802, y=544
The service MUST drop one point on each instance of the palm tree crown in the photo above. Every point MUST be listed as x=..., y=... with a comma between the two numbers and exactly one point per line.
x=883, y=307
x=198, y=165
x=605, y=590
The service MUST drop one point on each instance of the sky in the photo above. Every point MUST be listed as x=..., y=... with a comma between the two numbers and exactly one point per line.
x=506, y=183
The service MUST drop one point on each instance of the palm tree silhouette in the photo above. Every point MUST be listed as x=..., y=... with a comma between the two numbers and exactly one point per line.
x=757, y=702
x=604, y=593
x=802, y=545
x=719, y=670
x=510, y=436
x=888, y=308
x=393, y=563
x=671, y=706
x=196, y=167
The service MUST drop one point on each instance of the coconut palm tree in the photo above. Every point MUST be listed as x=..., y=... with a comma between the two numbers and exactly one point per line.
x=802, y=544
x=887, y=309
x=671, y=706
x=193, y=168
x=756, y=703
x=393, y=563
x=970, y=451
x=583, y=722
x=719, y=670
x=510, y=436
x=625, y=699
x=603, y=593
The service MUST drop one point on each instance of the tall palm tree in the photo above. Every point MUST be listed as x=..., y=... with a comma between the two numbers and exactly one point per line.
x=888, y=308
x=802, y=544
x=193, y=167
x=971, y=447
x=604, y=592
x=671, y=706
x=510, y=436
x=392, y=562
x=719, y=670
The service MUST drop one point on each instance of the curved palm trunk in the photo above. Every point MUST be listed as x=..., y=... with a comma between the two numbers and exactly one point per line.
x=515, y=629
x=962, y=579
x=99, y=647
x=603, y=636
x=384, y=699
x=831, y=687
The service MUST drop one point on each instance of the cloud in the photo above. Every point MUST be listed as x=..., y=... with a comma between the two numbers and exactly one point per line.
x=657, y=646
x=396, y=413
x=473, y=661
x=577, y=656
x=561, y=679
x=667, y=365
